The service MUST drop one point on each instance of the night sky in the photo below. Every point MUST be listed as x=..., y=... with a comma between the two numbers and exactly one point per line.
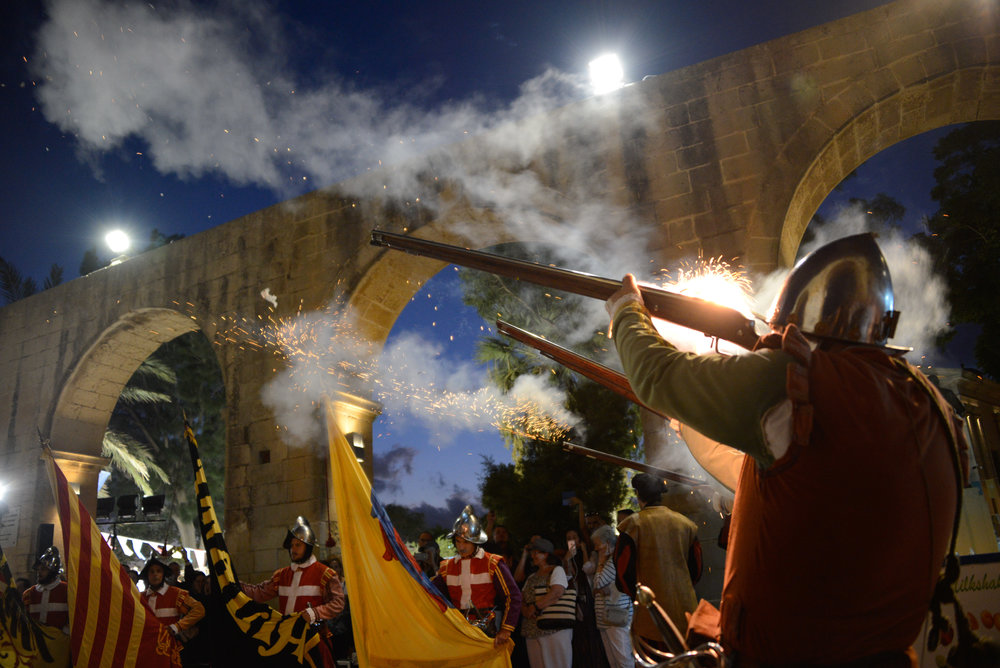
x=140, y=141
x=181, y=116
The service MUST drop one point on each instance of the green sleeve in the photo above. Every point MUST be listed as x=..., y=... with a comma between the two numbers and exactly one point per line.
x=725, y=397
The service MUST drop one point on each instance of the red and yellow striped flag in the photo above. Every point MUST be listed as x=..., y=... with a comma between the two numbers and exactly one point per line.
x=109, y=625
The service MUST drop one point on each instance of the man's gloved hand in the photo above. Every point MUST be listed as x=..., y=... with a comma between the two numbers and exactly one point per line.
x=629, y=292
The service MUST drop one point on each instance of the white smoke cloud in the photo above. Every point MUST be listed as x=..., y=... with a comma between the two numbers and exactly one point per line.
x=453, y=397
x=323, y=354
x=209, y=92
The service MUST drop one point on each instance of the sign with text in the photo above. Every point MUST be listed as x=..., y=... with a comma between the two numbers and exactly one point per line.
x=978, y=591
x=10, y=522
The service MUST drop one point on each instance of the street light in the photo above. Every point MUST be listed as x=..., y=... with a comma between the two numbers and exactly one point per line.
x=118, y=242
x=606, y=73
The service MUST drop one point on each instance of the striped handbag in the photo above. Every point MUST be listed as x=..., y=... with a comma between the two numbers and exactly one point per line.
x=559, y=615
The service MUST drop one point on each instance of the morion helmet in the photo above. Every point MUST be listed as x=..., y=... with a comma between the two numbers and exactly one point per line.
x=840, y=291
x=50, y=559
x=157, y=560
x=302, y=531
x=467, y=526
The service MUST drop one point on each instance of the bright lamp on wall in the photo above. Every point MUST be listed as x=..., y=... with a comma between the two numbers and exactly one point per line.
x=357, y=442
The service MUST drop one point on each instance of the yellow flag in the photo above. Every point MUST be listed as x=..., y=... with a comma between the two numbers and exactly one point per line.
x=399, y=617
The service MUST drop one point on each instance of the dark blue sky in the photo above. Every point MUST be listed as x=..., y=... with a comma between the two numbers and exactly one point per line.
x=331, y=85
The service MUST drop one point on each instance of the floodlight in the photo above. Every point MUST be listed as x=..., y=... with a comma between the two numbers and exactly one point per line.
x=127, y=506
x=357, y=442
x=105, y=506
x=117, y=241
x=152, y=506
x=606, y=74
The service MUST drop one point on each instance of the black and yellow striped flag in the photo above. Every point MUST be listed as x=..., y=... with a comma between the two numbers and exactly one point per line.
x=253, y=633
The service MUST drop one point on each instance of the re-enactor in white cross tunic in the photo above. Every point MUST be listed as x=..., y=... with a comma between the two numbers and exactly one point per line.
x=310, y=587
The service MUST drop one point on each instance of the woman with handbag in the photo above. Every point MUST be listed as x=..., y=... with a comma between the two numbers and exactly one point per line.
x=613, y=608
x=549, y=610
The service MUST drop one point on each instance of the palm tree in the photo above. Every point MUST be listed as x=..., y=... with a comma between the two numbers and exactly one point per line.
x=133, y=457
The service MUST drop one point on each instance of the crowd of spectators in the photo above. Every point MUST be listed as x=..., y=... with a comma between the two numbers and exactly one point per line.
x=580, y=564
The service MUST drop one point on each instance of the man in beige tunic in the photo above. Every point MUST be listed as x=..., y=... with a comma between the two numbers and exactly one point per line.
x=658, y=547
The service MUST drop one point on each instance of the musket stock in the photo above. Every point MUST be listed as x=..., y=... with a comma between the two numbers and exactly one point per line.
x=697, y=314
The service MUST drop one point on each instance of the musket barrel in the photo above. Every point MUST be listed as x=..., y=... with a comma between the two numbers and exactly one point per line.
x=596, y=372
x=663, y=474
x=602, y=375
x=697, y=314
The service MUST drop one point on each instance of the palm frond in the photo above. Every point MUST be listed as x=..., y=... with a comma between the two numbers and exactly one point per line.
x=154, y=368
x=132, y=458
x=133, y=395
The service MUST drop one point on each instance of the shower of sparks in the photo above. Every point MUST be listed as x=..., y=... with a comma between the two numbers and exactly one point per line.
x=524, y=419
x=322, y=353
x=713, y=280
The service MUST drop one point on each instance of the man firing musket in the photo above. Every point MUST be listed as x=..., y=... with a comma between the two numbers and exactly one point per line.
x=835, y=424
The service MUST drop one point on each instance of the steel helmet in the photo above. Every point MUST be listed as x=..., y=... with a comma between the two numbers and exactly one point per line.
x=840, y=291
x=154, y=559
x=50, y=559
x=302, y=531
x=467, y=526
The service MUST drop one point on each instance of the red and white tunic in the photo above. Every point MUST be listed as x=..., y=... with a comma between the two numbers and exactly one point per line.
x=310, y=586
x=173, y=606
x=49, y=603
x=482, y=581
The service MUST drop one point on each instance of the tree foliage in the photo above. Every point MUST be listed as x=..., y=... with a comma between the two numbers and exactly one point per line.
x=527, y=494
x=91, y=262
x=964, y=234
x=14, y=286
x=409, y=524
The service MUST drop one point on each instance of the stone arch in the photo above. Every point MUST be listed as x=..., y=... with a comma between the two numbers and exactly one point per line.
x=824, y=157
x=865, y=136
x=90, y=393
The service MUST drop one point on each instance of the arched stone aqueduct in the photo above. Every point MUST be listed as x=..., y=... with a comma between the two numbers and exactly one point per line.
x=731, y=156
